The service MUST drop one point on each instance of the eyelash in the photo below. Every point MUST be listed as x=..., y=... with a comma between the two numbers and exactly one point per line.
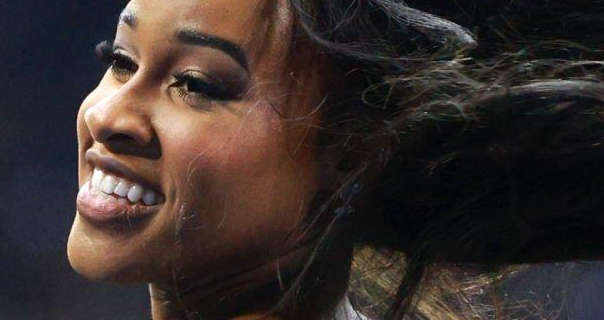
x=123, y=67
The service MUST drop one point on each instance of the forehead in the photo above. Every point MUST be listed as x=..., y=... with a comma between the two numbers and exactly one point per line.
x=242, y=21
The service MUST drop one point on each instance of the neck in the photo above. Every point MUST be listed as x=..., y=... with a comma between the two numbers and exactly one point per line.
x=255, y=293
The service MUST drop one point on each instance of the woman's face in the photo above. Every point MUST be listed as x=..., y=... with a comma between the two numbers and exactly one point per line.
x=185, y=168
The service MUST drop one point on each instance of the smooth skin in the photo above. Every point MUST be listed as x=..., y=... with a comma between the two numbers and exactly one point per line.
x=238, y=176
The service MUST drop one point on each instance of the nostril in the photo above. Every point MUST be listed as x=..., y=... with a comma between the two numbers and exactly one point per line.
x=122, y=130
x=120, y=143
x=120, y=138
x=122, y=127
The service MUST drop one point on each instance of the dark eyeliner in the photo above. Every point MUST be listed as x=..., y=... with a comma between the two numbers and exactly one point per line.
x=192, y=88
x=189, y=85
x=121, y=65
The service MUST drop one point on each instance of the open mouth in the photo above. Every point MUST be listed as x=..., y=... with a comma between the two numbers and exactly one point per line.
x=122, y=188
x=107, y=197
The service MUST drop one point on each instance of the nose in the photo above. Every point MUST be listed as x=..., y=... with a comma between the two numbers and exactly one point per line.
x=121, y=122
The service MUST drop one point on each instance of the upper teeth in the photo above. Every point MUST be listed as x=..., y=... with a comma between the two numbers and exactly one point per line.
x=122, y=188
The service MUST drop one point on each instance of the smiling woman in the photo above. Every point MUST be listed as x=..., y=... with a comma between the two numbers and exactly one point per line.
x=189, y=177
x=235, y=153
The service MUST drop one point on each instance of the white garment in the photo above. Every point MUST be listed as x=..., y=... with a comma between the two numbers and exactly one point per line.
x=345, y=311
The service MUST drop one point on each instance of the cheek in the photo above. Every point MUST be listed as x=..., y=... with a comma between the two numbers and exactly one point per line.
x=242, y=144
x=220, y=160
x=242, y=185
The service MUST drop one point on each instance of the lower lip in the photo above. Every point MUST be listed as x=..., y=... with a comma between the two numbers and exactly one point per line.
x=100, y=208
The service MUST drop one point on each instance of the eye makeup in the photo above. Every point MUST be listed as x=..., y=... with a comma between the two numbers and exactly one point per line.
x=194, y=87
x=197, y=84
x=122, y=66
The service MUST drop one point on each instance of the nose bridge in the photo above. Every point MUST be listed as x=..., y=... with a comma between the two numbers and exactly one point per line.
x=123, y=113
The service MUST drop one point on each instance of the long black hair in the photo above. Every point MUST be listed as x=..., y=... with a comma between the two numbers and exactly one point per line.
x=477, y=127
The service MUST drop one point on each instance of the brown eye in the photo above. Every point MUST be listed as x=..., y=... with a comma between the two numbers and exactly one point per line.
x=200, y=87
x=196, y=89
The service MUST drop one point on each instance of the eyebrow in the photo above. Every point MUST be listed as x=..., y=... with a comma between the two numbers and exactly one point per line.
x=197, y=38
x=127, y=17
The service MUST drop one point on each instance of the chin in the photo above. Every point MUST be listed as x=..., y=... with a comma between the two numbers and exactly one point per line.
x=101, y=258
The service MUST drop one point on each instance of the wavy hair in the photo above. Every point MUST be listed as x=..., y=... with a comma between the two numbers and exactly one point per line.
x=475, y=148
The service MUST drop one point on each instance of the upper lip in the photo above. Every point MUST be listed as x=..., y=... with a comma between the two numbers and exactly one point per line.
x=116, y=167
